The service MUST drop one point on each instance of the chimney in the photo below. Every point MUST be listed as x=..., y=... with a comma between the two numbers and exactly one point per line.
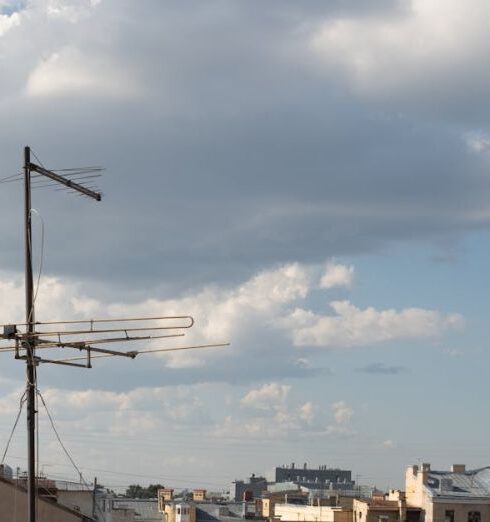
x=425, y=472
x=458, y=468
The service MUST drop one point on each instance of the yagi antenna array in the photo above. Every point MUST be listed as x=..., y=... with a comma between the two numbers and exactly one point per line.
x=87, y=336
x=90, y=337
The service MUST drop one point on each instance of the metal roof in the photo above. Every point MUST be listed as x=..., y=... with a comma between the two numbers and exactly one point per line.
x=144, y=510
x=471, y=483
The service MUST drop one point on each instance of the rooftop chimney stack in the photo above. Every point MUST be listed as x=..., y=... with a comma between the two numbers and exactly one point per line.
x=458, y=468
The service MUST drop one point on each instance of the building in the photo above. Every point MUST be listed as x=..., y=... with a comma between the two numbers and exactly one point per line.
x=140, y=509
x=382, y=508
x=13, y=506
x=457, y=495
x=321, y=478
x=271, y=498
x=250, y=490
x=301, y=513
x=199, y=495
x=176, y=511
x=166, y=493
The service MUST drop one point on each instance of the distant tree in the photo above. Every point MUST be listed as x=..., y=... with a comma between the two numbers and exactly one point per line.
x=152, y=490
x=137, y=491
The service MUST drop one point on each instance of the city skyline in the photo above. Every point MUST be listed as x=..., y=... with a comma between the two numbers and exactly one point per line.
x=309, y=182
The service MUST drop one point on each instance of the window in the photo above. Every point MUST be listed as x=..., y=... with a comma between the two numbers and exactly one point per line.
x=449, y=516
x=178, y=511
x=360, y=515
x=474, y=516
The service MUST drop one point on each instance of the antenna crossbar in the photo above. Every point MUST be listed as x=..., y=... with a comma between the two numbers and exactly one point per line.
x=64, y=181
x=154, y=350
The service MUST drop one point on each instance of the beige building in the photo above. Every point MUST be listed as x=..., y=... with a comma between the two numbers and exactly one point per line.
x=13, y=506
x=302, y=513
x=165, y=494
x=179, y=512
x=457, y=495
x=173, y=510
x=266, y=505
x=199, y=495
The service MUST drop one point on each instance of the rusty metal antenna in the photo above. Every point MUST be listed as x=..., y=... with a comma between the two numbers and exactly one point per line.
x=82, y=335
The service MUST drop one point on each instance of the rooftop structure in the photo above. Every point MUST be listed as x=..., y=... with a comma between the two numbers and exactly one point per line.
x=321, y=478
x=450, y=496
x=251, y=489
x=145, y=510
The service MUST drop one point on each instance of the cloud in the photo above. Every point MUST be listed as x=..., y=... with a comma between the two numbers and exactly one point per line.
x=269, y=396
x=374, y=54
x=69, y=72
x=7, y=22
x=389, y=444
x=337, y=275
x=352, y=326
x=342, y=412
x=266, y=317
x=382, y=369
x=70, y=10
x=275, y=414
x=243, y=188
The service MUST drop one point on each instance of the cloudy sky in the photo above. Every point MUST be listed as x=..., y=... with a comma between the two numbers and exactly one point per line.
x=309, y=180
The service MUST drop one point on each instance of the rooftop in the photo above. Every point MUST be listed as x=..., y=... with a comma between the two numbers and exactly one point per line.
x=471, y=483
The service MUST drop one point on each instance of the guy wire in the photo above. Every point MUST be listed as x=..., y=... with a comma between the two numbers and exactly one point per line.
x=21, y=405
x=67, y=453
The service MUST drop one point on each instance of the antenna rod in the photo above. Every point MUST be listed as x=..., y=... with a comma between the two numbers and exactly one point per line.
x=30, y=344
x=64, y=181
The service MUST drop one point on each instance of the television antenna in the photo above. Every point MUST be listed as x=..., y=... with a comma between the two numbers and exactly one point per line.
x=87, y=336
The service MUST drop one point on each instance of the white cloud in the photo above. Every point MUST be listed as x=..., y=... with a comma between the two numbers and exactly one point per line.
x=352, y=326
x=478, y=142
x=337, y=275
x=342, y=412
x=269, y=396
x=264, y=307
x=279, y=416
x=7, y=22
x=402, y=50
x=140, y=410
x=307, y=412
x=388, y=444
x=70, y=10
x=69, y=71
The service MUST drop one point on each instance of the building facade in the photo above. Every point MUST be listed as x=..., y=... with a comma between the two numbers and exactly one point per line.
x=251, y=489
x=457, y=495
x=323, y=477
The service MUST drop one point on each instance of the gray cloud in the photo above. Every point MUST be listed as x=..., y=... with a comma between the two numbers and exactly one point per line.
x=234, y=153
x=382, y=369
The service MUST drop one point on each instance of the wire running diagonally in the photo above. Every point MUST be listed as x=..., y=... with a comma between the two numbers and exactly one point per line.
x=63, y=447
x=21, y=406
x=41, y=260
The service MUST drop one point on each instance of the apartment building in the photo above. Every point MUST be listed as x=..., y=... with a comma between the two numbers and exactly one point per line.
x=457, y=495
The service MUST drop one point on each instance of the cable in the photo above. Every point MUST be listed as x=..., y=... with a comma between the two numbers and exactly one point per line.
x=21, y=405
x=67, y=453
x=10, y=179
x=35, y=155
x=41, y=261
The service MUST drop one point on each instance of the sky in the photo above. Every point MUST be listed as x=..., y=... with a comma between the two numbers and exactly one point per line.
x=309, y=180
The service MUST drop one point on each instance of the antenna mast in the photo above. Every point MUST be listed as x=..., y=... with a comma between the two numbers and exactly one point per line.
x=28, y=338
x=30, y=344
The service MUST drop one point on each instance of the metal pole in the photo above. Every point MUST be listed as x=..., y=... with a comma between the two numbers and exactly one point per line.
x=30, y=344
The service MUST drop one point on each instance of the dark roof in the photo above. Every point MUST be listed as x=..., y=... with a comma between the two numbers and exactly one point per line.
x=471, y=483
